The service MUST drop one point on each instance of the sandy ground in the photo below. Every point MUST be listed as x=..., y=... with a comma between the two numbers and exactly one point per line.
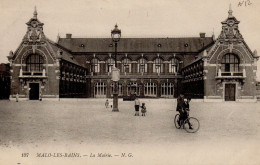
x=229, y=133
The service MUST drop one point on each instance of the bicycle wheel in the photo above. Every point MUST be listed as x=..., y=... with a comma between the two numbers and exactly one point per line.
x=191, y=125
x=176, y=120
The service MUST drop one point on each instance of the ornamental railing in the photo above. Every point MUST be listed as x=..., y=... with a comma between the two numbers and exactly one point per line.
x=26, y=73
x=232, y=74
x=32, y=73
x=221, y=74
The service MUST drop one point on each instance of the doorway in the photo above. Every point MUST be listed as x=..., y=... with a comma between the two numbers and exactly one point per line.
x=230, y=92
x=34, y=91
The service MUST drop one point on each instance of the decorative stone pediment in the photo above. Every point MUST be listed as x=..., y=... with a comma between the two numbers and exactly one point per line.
x=230, y=28
x=34, y=32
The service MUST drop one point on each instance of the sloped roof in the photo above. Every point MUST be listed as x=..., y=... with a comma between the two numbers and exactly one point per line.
x=96, y=45
x=65, y=55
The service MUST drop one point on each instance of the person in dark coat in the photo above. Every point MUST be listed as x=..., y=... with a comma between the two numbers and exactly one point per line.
x=180, y=102
x=186, y=108
x=180, y=107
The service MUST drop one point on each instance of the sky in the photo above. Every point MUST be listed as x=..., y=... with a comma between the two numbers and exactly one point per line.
x=135, y=18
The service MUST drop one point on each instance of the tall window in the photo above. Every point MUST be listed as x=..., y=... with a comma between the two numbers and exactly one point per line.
x=100, y=89
x=95, y=66
x=110, y=64
x=34, y=62
x=120, y=89
x=174, y=65
x=230, y=63
x=142, y=66
x=167, y=90
x=133, y=88
x=157, y=65
x=150, y=89
x=126, y=65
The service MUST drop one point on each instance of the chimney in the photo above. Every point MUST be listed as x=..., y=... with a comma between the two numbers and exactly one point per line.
x=202, y=35
x=68, y=36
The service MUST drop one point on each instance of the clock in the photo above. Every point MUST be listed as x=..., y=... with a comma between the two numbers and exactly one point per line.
x=34, y=24
x=230, y=23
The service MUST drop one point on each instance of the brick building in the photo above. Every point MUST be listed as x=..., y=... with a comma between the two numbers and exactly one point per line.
x=37, y=66
x=201, y=67
x=4, y=81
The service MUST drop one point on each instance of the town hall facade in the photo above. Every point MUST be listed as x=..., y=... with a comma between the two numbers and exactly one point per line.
x=213, y=69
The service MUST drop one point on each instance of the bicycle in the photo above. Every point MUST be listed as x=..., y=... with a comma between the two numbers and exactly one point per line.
x=190, y=121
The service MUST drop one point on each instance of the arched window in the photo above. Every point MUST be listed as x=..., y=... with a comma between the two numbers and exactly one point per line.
x=110, y=64
x=230, y=63
x=133, y=88
x=167, y=90
x=126, y=65
x=142, y=66
x=158, y=65
x=120, y=89
x=100, y=89
x=34, y=62
x=174, y=65
x=150, y=89
x=95, y=66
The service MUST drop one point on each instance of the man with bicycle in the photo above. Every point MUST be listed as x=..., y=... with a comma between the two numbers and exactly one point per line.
x=183, y=107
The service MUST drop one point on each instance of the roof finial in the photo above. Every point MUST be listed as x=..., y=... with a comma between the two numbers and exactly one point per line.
x=230, y=12
x=35, y=13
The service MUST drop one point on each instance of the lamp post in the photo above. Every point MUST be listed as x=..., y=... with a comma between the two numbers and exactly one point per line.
x=116, y=35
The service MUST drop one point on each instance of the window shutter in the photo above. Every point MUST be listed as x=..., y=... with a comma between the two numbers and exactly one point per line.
x=162, y=68
x=98, y=67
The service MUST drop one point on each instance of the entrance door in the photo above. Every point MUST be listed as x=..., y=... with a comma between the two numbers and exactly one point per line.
x=230, y=92
x=34, y=91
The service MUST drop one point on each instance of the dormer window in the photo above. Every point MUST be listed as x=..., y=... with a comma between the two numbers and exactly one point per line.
x=126, y=65
x=95, y=66
x=82, y=45
x=157, y=65
x=142, y=66
x=174, y=65
x=110, y=64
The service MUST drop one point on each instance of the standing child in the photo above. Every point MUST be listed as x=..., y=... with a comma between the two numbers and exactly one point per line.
x=40, y=98
x=107, y=103
x=143, y=110
x=137, y=104
x=17, y=97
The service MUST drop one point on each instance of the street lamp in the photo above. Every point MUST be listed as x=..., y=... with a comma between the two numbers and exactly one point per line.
x=116, y=35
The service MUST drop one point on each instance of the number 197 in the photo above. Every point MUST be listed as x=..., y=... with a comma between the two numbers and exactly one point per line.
x=25, y=154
